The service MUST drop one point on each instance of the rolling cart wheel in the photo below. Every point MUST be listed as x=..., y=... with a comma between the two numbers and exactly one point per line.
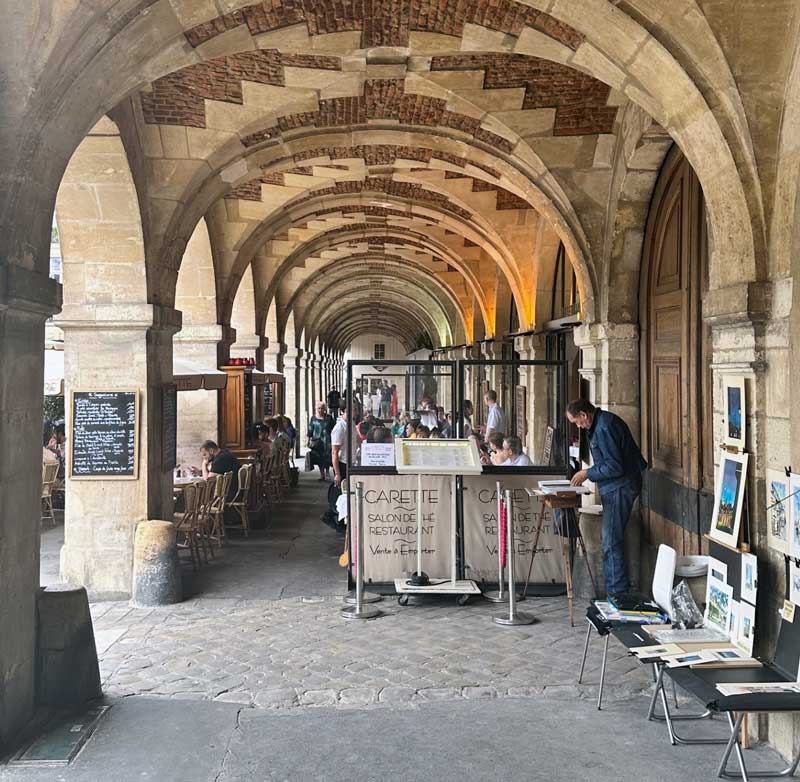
x=462, y=600
x=403, y=600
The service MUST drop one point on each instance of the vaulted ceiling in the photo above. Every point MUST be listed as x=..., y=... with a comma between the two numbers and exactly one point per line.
x=343, y=151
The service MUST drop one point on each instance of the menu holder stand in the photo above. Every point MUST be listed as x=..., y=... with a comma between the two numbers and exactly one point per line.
x=436, y=457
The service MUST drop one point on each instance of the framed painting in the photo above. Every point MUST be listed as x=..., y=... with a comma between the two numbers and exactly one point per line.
x=749, y=582
x=794, y=516
x=746, y=627
x=735, y=411
x=719, y=599
x=729, y=498
x=779, y=506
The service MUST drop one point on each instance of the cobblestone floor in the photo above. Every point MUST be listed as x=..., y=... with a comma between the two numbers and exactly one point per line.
x=263, y=630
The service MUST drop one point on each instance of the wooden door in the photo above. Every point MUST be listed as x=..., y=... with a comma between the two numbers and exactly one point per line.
x=676, y=399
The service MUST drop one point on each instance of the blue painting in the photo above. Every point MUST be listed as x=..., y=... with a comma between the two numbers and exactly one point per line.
x=728, y=495
x=734, y=413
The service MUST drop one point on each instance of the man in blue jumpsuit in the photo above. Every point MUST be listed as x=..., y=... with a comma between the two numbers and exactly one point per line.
x=617, y=470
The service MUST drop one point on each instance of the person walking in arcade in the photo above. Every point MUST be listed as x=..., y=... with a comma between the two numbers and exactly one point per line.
x=617, y=470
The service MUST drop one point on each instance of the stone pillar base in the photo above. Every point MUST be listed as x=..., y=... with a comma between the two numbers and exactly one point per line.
x=67, y=669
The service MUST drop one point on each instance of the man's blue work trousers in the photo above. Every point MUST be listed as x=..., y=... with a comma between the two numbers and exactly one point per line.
x=617, y=505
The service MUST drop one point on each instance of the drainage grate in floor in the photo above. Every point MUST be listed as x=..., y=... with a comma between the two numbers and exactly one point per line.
x=62, y=739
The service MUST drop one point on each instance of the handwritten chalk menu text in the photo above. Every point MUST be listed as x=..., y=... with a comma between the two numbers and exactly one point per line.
x=104, y=436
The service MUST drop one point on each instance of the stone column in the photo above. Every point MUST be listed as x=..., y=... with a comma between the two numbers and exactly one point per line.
x=750, y=339
x=246, y=346
x=291, y=372
x=306, y=387
x=26, y=301
x=611, y=366
x=493, y=351
x=123, y=347
x=272, y=357
x=534, y=378
x=206, y=346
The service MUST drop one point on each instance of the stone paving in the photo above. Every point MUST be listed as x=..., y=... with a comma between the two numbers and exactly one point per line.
x=228, y=643
x=298, y=652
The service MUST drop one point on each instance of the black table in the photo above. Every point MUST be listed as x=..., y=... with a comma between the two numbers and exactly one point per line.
x=701, y=684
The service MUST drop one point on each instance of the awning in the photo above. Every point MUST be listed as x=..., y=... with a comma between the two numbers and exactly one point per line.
x=192, y=377
x=53, y=372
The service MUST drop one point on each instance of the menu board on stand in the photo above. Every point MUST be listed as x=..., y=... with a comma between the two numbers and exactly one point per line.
x=104, y=435
x=436, y=457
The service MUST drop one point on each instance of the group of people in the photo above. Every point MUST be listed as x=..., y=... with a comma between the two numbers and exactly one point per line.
x=617, y=468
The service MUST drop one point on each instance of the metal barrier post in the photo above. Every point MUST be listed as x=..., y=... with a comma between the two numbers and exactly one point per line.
x=513, y=617
x=498, y=595
x=359, y=611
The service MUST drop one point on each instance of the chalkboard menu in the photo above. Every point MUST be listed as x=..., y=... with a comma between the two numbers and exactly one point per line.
x=169, y=426
x=104, y=436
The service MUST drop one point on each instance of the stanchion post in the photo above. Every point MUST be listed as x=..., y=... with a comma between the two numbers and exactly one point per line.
x=498, y=595
x=513, y=618
x=358, y=610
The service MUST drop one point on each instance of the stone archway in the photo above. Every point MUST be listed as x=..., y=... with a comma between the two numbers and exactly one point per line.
x=114, y=339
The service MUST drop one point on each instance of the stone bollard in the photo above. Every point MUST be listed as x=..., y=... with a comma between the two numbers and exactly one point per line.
x=591, y=523
x=66, y=659
x=156, y=572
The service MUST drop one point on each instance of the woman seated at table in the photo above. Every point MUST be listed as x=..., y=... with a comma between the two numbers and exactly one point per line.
x=48, y=440
x=497, y=456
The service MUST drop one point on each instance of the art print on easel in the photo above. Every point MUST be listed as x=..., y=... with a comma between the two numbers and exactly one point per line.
x=794, y=516
x=719, y=600
x=778, y=510
x=794, y=584
x=749, y=582
x=729, y=498
x=746, y=628
x=733, y=393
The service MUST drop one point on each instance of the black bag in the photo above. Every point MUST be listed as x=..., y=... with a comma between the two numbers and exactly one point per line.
x=294, y=477
x=309, y=462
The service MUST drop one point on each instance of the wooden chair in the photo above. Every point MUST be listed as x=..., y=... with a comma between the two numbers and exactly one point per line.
x=271, y=480
x=242, y=498
x=49, y=476
x=217, y=507
x=187, y=523
x=283, y=469
x=205, y=500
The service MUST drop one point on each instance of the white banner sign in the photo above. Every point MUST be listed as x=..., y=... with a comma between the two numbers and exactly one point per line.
x=480, y=530
x=390, y=526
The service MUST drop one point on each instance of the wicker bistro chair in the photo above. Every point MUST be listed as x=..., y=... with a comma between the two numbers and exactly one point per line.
x=240, y=502
x=49, y=476
x=217, y=507
x=270, y=479
x=283, y=470
x=206, y=492
x=188, y=532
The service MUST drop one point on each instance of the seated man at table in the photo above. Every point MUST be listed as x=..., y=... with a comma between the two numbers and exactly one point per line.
x=512, y=450
x=218, y=461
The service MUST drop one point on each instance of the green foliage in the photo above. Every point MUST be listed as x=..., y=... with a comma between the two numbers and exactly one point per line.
x=54, y=408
